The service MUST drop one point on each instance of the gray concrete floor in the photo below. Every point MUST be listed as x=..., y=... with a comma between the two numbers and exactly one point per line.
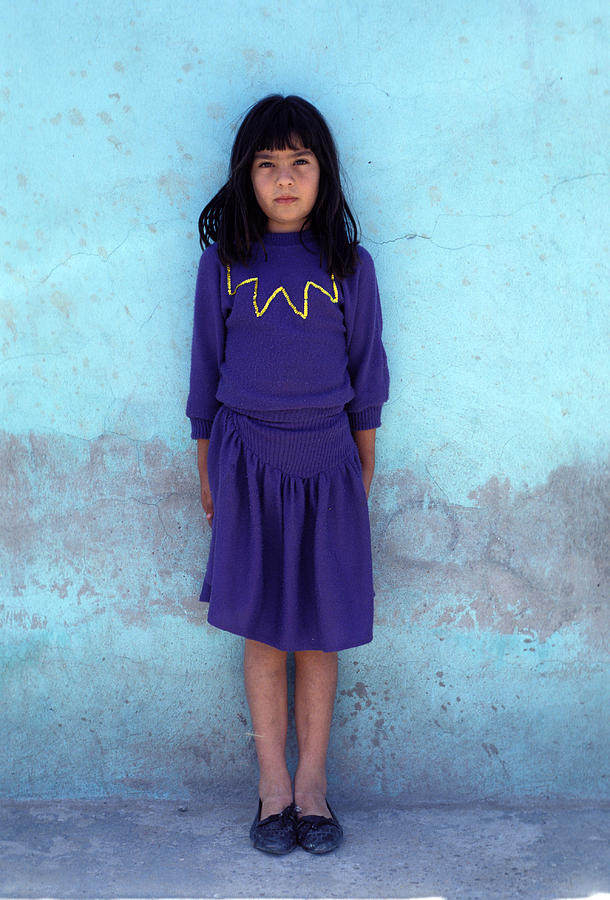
x=124, y=848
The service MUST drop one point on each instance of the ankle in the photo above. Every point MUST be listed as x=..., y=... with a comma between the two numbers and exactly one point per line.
x=276, y=795
x=311, y=802
x=310, y=783
x=274, y=788
x=274, y=774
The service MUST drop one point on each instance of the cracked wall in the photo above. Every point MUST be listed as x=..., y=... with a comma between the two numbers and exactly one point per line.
x=473, y=145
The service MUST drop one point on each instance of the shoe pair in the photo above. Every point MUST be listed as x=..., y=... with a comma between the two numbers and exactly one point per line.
x=281, y=832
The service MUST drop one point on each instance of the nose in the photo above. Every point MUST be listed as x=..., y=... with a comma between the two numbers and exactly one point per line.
x=284, y=174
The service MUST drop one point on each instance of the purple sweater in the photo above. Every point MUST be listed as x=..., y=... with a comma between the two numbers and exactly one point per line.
x=280, y=333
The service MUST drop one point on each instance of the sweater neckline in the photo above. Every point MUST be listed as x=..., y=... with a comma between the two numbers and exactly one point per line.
x=288, y=238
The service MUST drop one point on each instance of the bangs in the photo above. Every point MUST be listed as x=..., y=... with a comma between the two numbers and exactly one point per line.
x=281, y=123
x=283, y=129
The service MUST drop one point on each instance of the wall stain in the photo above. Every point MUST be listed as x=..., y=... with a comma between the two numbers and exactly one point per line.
x=532, y=561
x=117, y=522
x=107, y=523
x=215, y=111
x=7, y=314
x=174, y=185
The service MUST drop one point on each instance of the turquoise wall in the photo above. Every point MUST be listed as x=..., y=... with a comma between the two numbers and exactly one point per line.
x=475, y=140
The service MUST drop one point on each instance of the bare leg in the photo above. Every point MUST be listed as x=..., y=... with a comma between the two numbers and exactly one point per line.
x=314, y=697
x=266, y=690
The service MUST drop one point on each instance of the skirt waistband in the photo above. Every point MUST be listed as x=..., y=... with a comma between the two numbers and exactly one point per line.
x=299, y=442
x=308, y=417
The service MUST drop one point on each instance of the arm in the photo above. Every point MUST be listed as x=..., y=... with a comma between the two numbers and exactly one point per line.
x=367, y=363
x=202, y=464
x=207, y=350
x=365, y=443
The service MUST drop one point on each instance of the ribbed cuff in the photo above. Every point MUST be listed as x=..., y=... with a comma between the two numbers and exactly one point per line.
x=364, y=419
x=201, y=428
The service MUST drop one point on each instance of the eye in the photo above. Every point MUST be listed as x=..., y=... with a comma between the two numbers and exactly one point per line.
x=302, y=162
x=263, y=164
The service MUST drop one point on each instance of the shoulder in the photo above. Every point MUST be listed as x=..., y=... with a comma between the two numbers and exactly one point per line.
x=209, y=258
x=210, y=274
x=210, y=268
x=365, y=269
x=365, y=258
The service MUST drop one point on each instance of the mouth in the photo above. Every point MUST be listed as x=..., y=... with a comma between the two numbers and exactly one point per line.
x=286, y=199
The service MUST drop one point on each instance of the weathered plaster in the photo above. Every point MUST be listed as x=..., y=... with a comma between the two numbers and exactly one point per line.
x=474, y=139
x=489, y=633
x=516, y=561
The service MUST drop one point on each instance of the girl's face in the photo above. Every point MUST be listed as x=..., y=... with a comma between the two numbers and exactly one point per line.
x=286, y=185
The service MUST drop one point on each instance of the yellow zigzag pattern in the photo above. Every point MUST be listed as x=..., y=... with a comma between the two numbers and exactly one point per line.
x=334, y=297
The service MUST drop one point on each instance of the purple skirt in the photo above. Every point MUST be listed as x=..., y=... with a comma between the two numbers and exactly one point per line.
x=290, y=555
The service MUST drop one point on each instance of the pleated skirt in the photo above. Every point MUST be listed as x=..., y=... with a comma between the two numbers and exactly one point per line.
x=290, y=554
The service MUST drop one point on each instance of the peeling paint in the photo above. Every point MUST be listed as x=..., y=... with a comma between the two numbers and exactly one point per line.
x=117, y=497
x=533, y=561
x=108, y=534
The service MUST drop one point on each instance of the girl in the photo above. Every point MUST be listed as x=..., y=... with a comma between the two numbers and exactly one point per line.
x=288, y=377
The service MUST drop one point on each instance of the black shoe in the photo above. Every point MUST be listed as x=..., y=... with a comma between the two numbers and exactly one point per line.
x=275, y=834
x=319, y=834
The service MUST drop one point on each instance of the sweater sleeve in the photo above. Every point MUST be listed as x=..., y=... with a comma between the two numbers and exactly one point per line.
x=367, y=362
x=207, y=349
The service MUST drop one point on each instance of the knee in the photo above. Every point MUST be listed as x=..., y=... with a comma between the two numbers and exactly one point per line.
x=259, y=654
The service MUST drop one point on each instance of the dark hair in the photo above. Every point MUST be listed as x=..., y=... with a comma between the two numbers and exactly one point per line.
x=233, y=217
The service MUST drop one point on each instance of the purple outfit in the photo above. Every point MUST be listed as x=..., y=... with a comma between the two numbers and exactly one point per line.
x=286, y=363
